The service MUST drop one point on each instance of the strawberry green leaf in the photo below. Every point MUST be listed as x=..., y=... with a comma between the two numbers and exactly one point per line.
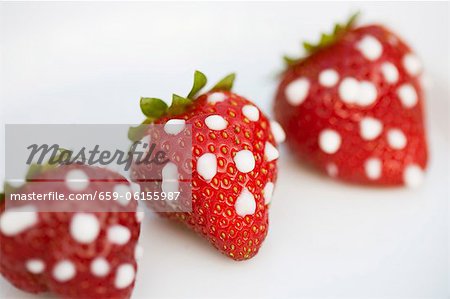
x=153, y=107
x=226, y=84
x=199, y=82
x=179, y=105
x=138, y=132
x=2, y=197
x=326, y=39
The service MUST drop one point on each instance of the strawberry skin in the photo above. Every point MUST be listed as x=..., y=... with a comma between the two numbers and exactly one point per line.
x=71, y=254
x=354, y=109
x=234, y=169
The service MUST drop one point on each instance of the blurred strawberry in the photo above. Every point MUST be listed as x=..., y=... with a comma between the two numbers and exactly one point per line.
x=233, y=161
x=72, y=254
x=353, y=107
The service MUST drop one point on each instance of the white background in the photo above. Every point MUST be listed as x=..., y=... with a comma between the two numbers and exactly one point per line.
x=90, y=63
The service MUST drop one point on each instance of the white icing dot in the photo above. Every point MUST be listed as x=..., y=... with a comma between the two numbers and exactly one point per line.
x=408, y=95
x=370, y=128
x=118, y=234
x=170, y=178
x=174, y=126
x=328, y=78
x=14, y=221
x=138, y=252
x=373, y=168
x=332, y=170
x=413, y=176
x=412, y=64
x=245, y=203
x=367, y=93
x=77, y=180
x=216, y=122
x=251, y=112
x=390, y=72
x=100, y=267
x=349, y=90
x=245, y=161
x=216, y=97
x=122, y=190
x=35, y=266
x=329, y=141
x=139, y=216
x=124, y=276
x=207, y=166
x=84, y=228
x=363, y=93
x=270, y=152
x=370, y=47
x=297, y=91
x=64, y=271
x=268, y=192
x=277, y=131
x=396, y=139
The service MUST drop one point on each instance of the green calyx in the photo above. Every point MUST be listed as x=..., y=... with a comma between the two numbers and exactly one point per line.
x=154, y=108
x=37, y=169
x=326, y=39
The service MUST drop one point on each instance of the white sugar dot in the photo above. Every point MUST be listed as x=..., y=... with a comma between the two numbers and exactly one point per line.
x=84, y=228
x=251, y=112
x=373, y=168
x=35, y=266
x=390, y=72
x=64, y=271
x=207, y=166
x=77, y=180
x=332, y=170
x=370, y=128
x=14, y=221
x=216, y=97
x=119, y=234
x=370, y=47
x=216, y=122
x=270, y=152
x=139, y=216
x=245, y=203
x=170, y=178
x=124, y=276
x=100, y=267
x=396, y=139
x=349, y=90
x=268, y=192
x=245, y=161
x=408, y=95
x=413, y=176
x=328, y=78
x=367, y=93
x=174, y=126
x=138, y=252
x=277, y=131
x=412, y=64
x=123, y=191
x=297, y=91
x=329, y=141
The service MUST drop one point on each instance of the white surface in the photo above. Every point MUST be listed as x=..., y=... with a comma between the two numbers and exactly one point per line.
x=90, y=63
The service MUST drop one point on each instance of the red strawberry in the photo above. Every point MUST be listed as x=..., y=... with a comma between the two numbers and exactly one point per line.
x=233, y=163
x=354, y=107
x=72, y=254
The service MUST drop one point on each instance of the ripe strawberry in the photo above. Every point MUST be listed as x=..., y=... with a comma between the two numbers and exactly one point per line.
x=233, y=164
x=72, y=254
x=354, y=107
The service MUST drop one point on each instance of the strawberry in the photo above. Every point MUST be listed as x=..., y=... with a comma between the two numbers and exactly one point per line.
x=72, y=254
x=233, y=161
x=353, y=107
